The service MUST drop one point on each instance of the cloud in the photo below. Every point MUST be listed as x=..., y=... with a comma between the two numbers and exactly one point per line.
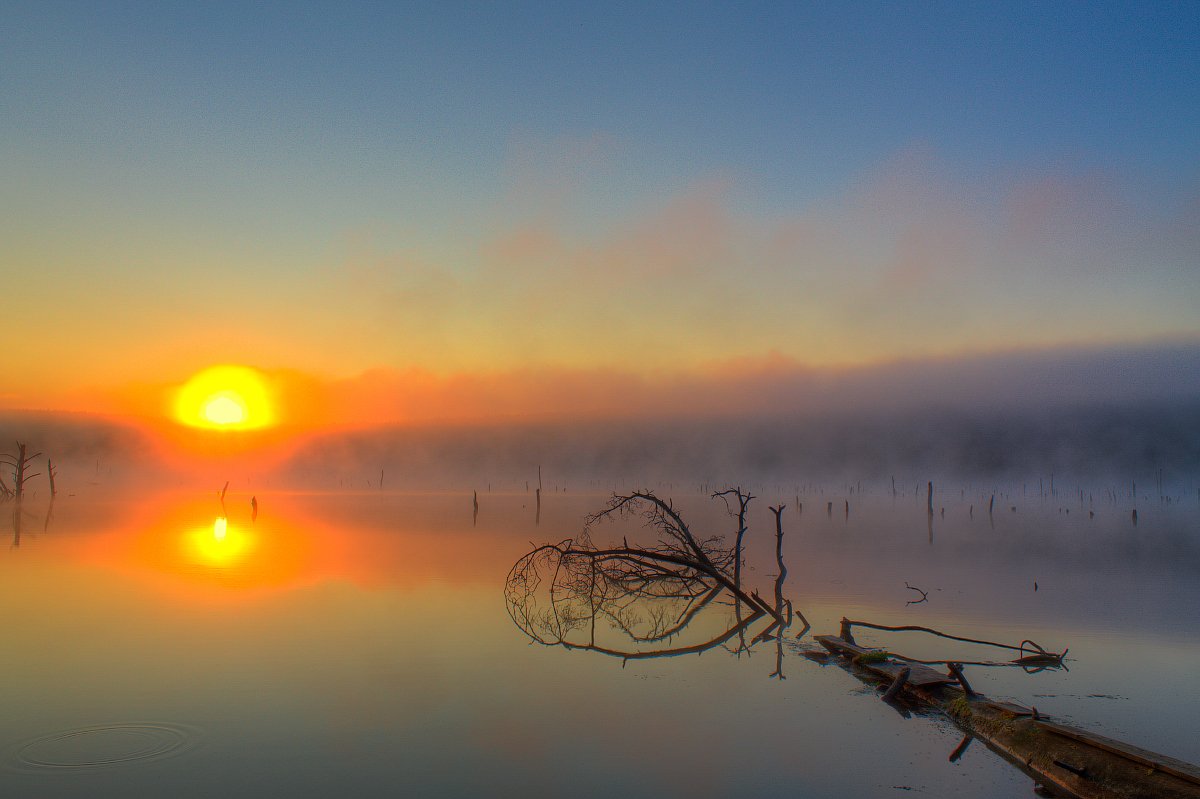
x=771, y=386
x=1104, y=412
x=910, y=262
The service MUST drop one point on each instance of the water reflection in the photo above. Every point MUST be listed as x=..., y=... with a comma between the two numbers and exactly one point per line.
x=331, y=631
x=20, y=515
x=220, y=546
x=194, y=547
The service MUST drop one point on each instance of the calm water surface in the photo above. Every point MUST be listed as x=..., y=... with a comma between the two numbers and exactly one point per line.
x=361, y=645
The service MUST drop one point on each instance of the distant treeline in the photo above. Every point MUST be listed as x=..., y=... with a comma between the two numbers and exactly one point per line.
x=1097, y=442
x=72, y=436
x=1111, y=443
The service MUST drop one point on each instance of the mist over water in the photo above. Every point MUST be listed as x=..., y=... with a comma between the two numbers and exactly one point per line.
x=1107, y=417
x=1099, y=445
x=1102, y=447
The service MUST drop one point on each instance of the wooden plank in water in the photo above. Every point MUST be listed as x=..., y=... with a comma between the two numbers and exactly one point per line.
x=1169, y=765
x=1011, y=707
x=1069, y=761
x=921, y=676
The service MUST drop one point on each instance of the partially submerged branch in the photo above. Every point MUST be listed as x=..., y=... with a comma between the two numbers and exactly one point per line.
x=924, y=594
x=1036, y=652
x=557, y=593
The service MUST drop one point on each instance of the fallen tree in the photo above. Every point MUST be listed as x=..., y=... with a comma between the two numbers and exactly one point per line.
x=557, y=593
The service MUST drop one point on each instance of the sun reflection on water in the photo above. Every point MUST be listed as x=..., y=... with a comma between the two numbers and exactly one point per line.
x=220, y=545
x=192, y=547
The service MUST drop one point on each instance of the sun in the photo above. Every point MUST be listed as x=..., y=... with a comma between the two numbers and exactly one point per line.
x=226, y=397
x=225, y=408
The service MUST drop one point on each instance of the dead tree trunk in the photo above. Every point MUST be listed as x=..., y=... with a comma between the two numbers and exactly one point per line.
x=743, y=504
x=20, y=466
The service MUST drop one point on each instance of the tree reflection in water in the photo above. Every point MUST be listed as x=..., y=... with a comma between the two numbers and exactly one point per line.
x=632, y=602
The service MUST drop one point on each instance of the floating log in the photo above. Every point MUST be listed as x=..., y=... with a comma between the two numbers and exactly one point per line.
x=918, y=675
x=1068, y=761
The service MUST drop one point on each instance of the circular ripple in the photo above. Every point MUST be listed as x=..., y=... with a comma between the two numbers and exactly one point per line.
x=104, y=746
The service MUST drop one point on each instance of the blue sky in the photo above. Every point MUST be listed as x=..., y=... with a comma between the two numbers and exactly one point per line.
x=164, y=163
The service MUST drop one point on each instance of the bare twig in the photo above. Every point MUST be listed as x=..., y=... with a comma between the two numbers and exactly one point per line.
x=557, y=593
x=1038, y=651
x=924, y=594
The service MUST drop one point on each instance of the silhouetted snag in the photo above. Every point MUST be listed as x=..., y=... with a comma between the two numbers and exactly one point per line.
x=780, y=602
x=51, y=472
x=20, y=465
x=929, y=498
x=557, y=593
x=743, y=500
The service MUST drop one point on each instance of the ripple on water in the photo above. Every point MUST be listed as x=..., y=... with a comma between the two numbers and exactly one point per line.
x=103, y=746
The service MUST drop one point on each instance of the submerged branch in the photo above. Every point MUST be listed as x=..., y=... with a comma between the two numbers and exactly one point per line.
x=1037, y=651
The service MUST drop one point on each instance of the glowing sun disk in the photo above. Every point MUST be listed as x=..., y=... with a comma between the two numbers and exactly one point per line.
x=225, y=408
x=226, y=397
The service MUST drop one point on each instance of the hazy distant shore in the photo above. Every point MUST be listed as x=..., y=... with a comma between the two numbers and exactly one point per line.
x=1099, y=443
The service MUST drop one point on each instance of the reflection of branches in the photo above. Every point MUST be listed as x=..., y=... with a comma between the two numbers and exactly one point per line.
x=19, y=514
x=557, y=593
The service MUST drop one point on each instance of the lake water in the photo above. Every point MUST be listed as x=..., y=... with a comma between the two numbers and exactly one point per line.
x=361, y=645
